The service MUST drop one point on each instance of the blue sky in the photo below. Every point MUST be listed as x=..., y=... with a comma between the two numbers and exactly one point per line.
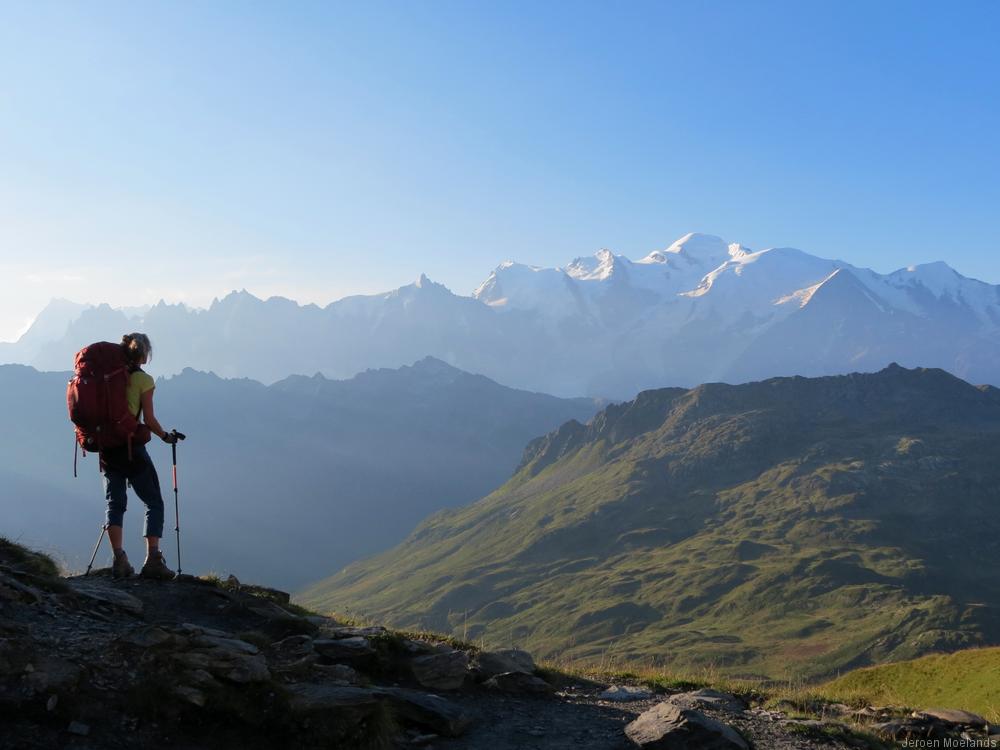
x=314, y=150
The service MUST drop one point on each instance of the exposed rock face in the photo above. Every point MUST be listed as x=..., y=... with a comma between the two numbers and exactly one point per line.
x=355, y=648
x=953, y=716
x=430, y=711
x=204, y=665
x=444, y=671
x=705, y=698
x=190, y=661
x=667, y=727
x=519, y=682
x=491, y=663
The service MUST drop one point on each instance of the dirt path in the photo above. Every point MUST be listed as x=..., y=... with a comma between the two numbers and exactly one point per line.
x=577, y=719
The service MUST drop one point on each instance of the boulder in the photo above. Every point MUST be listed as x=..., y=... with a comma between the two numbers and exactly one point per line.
x=229, y=644
x=444, y=671
x=491, y=663
x=344, y=649
x=340, y=673
x=430, y=711
x=953, y=716
x=335, y=716
x=104, y=595
x=711, y=699
x=519, y=682
x=189, y=628
x=247, y=669
x=227, y=664
x=667, y=727
x=910, y=729
x=298, y=645
x=309, y=698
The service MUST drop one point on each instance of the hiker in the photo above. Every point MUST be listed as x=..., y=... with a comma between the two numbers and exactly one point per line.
x=133, y=465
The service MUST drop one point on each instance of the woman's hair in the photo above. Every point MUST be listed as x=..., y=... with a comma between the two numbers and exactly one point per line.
x=136, y=346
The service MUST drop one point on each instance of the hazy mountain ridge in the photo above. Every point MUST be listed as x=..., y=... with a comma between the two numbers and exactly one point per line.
x=697, y=311
x=288, y=481
x=790, y=526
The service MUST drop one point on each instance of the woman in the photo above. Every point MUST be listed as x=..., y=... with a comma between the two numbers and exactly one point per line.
x=137, y=470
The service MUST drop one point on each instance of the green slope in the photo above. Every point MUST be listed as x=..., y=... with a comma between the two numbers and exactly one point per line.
x=968, y=679
x=788, y=528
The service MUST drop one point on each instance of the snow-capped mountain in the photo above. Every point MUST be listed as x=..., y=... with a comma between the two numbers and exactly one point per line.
x=700, y=310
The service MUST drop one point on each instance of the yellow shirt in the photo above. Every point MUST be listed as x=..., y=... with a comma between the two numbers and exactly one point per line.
x=138, y=383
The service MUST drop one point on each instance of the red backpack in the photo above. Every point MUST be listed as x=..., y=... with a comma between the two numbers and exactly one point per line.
x=97, y=401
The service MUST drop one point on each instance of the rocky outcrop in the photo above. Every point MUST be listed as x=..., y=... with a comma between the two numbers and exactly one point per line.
x=441, y=671
x=706, y=698
x=192, y=660
x=667, y=727
x=491, y=663
x=93, y=662
x=519, y=683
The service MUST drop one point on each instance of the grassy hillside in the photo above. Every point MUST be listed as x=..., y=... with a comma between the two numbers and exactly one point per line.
x=967, y=679
x=786, y=529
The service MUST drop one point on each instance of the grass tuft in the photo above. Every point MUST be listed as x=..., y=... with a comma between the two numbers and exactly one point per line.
x=22, y=559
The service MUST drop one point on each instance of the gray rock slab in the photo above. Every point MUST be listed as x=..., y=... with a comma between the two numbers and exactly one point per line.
x=491, y=663
x=953, y=716
x=189, y=628
x=229, y=644
x=667, y=727
x=339, y=672
x=712, y=699
x=444, y=671
x=344, y=649
x=519, y=683
x=106, y=595
x=309, y=698
x=430, y=711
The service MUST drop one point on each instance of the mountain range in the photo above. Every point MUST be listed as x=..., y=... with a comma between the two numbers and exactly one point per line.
x=792, y=527
x=286, y=482
x=700, y=310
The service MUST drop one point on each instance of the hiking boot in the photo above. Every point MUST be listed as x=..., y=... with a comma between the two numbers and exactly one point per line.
x=121, y=567
x=156, y=567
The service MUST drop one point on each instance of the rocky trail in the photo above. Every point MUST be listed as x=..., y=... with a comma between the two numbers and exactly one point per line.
x=93, y=662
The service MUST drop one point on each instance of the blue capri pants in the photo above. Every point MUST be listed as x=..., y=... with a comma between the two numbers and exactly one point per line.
x=141, y=475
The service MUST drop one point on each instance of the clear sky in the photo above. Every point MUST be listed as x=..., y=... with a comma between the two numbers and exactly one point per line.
x=314, y=150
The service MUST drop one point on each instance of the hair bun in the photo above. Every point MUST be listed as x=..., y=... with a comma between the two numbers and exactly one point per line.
x=137, y=346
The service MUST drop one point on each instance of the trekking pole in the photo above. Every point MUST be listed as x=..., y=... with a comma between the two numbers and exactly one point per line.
x=104, y=529
x=177, y=513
